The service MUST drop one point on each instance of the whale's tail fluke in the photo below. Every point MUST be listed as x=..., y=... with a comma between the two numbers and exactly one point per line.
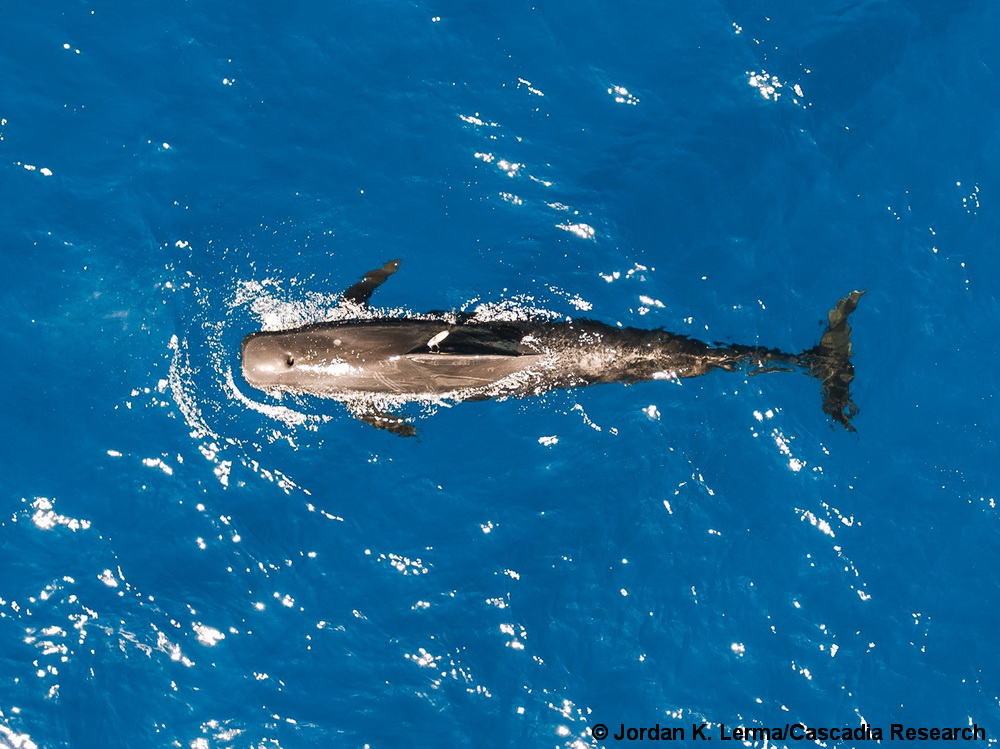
x=830, y=362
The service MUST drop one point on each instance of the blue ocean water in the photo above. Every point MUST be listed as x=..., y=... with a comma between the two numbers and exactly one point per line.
x=188, y=563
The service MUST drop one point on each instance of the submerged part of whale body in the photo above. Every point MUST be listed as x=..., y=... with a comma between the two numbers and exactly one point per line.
x=374, y=365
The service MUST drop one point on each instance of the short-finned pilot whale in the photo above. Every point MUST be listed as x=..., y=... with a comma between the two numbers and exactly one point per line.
x=374, y=365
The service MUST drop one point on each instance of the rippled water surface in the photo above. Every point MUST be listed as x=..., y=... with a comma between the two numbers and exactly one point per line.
x=189, y=562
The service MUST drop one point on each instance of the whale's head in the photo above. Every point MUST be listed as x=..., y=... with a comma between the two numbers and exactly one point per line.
x=294, y=361
x=319, y=359
x=269, y=360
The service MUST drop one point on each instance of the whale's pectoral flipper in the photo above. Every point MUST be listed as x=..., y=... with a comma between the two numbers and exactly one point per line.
x=381, y=420
x=361, y=292
x=830, y=362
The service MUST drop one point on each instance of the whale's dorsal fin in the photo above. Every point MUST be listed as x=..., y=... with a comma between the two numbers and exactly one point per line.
x=361, y=292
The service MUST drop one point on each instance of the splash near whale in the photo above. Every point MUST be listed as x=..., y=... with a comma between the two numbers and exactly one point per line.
x=376, y=365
